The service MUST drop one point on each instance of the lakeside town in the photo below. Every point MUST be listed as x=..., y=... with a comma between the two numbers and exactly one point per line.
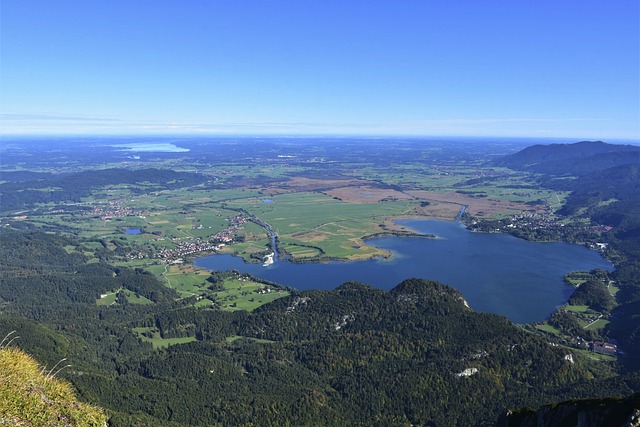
x=543, y=227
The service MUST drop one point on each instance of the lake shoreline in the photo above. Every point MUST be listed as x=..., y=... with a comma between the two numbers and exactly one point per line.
x=497, y=273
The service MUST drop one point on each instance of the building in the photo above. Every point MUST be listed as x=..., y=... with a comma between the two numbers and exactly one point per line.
x=604, y=348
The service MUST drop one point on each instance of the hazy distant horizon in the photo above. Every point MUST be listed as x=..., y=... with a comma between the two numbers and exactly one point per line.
x=238, y=130
x=453, y=138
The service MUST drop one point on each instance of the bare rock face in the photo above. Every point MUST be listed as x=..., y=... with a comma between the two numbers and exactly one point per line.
x=612, y=412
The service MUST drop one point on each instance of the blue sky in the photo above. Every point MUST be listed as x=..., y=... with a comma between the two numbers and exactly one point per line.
x=377, y=67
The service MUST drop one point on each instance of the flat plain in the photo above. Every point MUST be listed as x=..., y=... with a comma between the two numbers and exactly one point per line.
x=320, y=199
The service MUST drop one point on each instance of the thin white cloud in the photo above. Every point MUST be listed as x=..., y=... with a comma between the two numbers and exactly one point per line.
x=43, y=117
x=50, y=123
x=501, y=120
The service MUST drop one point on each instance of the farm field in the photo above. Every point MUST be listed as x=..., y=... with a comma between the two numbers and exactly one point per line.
x=313, y=217
x=320, y=202
x=315, y=220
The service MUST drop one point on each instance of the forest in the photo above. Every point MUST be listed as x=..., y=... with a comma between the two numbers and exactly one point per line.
x=354, y=355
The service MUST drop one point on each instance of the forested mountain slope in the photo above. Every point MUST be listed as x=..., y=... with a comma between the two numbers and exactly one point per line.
x=20, y=190
x=571, y=159
x=355, y=355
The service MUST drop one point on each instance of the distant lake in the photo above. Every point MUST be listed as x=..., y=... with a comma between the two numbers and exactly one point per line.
x=497, y=273
x=133, y=231
x=152, y=147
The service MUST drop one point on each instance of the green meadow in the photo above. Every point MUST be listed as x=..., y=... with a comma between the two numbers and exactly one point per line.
x=132, y=298
x=236, y=292
x=548, y=328
x=598, y=324
x=245, y=294
x=156, y=340
x=311, y=219
x=577, y=308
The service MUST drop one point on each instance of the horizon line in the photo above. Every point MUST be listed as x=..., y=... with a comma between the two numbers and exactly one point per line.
x=305, y=135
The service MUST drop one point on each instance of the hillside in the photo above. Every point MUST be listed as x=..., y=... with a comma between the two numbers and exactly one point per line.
x=352, y=356
x=571, y=159
x=355, y=355
x=31, y=395
x=20, y=190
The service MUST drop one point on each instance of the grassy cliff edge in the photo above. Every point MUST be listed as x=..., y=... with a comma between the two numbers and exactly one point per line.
x=31, y=396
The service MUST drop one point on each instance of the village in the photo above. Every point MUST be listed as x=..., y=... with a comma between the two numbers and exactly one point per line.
x=114, y=209
x=185, y=246
x=543, y=227
x=537, y=221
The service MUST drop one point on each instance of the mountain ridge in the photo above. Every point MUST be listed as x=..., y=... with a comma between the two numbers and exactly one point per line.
x=571, y=159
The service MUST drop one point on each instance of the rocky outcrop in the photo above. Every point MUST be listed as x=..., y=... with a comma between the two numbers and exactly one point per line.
x=610, y=412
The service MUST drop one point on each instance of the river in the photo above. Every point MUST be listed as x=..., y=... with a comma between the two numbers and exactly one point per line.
x=497, y=273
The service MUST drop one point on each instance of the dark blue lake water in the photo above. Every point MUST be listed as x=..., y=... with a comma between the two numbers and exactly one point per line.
x=133, y=231
x=497, y=273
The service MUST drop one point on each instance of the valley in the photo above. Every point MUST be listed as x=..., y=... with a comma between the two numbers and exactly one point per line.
x=98, y=265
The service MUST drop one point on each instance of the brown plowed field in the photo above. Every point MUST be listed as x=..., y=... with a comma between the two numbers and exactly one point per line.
x=364, y=194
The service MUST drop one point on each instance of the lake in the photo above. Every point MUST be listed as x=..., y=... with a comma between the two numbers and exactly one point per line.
x=152, y=147
x=497, y=273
